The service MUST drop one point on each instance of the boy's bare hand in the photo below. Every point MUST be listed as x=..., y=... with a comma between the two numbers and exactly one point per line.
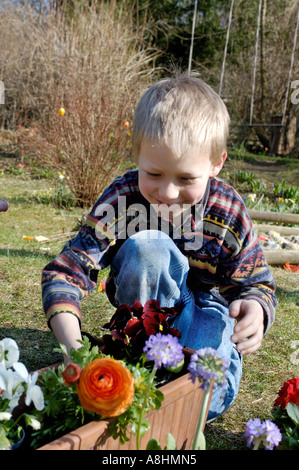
x=249, y=328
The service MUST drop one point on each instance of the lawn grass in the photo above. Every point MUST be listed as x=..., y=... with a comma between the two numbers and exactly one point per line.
x=22, y=317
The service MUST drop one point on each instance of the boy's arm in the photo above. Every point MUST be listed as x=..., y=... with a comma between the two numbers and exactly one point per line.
x=250, y=292
x=73, y=274
x=65, y=281
x=247, y=277
x=66, y=328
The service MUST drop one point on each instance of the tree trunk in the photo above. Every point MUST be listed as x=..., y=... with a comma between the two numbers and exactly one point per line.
x=283, y=138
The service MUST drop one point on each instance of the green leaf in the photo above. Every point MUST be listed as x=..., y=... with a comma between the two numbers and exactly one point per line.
x=62, y=349
x=4, y=443
x=176, y=369
x=200, y=443
x=170, y=443
x=293, y=412
x=153, y=444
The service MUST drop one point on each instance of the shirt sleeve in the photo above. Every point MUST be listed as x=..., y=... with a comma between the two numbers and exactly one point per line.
x=72, y=275
x=246, y=275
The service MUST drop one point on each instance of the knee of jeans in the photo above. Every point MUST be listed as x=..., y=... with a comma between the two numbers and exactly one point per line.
x=145, y=244
x=149, y=243
x=152, y=235
x=154, y=249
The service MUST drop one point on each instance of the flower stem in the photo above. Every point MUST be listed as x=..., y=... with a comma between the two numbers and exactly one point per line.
x=201, y=420
x=142, y=412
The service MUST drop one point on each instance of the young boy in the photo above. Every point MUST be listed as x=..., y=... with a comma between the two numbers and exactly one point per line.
x=173, y=231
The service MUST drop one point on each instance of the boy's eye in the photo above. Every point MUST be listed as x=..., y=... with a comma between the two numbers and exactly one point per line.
x=152, y=174
x=187, y=180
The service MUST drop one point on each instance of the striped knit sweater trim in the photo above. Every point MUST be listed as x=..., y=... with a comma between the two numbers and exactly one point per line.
x=229, y=256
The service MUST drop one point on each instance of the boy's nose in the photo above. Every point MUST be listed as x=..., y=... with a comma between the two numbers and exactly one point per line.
x=169, y=193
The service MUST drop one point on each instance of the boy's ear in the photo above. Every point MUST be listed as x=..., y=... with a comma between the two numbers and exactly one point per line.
x=215, y=169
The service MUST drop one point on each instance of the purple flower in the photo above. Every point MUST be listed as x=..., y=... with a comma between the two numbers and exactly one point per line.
x=262, y=433
x=164, y=350
x=208, y=367
x=253, y=431
x=273, y=435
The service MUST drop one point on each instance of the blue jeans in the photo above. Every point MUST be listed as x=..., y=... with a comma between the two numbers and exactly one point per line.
x=150, y=266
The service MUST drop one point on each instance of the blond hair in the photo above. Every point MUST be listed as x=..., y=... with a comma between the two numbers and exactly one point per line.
x=183, y=113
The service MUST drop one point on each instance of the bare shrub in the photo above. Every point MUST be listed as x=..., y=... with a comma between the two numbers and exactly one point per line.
x=42, y=54
x=95, y=66
x=88, y=144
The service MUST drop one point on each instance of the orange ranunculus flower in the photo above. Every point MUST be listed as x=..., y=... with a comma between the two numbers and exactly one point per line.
x=106, y=387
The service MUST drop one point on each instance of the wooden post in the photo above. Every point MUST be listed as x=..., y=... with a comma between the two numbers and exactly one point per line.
x=280, y=257
x=281, y=229
x=278, y=217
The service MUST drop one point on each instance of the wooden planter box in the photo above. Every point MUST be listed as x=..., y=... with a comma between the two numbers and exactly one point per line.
x=178, y=415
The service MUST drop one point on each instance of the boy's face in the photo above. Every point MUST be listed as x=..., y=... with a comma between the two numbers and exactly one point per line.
x=166, y=179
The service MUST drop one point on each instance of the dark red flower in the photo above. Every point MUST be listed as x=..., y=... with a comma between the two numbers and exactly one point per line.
x=289, y=393
x=120, y=318
x=137, y=309
x=133, y=326
x=152, y=306
x=112, y=346
x=155, y=319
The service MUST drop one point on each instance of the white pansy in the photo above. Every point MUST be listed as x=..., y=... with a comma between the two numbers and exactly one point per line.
x=15, y=382
x=2, y=381
x=12, y=386
x=34, y=392
x=9, y=381
x=9, y=352
x=5, y=415
x=21, y=370
x=33, y=422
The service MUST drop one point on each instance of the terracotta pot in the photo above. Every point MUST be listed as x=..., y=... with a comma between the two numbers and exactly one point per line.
x=178, y=415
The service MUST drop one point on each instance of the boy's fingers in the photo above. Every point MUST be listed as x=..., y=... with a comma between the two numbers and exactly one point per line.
x=234, y=308
x=249, y=345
